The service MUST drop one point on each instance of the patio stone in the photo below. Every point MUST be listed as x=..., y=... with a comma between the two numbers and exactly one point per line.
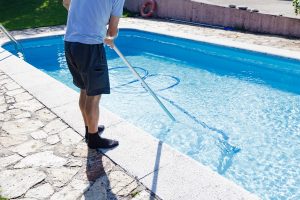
x=14, y=112
x=72, y=191
x=30, y=105
x=80, y=150
x=5, y=81
x=3, y=108
x=108, y=165
x=10, y=107
x=96, y=192
x=53, y=139
x=21, y=126
x=15, y=92
x=9, y=160
x=23, y=115
x=44, y=115
x=58, y=177
x=62, y=150
x=74, y=163
x=69, y=137
x=2, y=100
x=10, y=100
x=2, y=117
x=28, y=147
x=41, y=192
x=23, y=97
x=121, y=184
x=3, y=76
x=97, y=165
x=55, y=127
x=7, y=116
x=12, y=140
x=39, y=135
x=15, y=183
x=41, y=159
x=4, y=152
x=143, y=195
x=12, y=86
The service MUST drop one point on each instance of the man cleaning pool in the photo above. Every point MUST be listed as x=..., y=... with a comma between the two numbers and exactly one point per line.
x=85, y=36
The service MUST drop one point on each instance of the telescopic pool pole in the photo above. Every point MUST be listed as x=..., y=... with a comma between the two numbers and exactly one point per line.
x=144, y=83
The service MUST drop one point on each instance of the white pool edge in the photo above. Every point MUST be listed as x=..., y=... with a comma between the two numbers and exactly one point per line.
x=210, y=40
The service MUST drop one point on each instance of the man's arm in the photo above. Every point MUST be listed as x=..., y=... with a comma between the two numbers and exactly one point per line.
x=66, y=4
x=112, y=31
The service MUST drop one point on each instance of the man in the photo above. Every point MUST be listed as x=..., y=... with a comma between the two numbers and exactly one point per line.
x=86, y=58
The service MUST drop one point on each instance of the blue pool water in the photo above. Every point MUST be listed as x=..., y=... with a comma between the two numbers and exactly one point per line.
x=237, y=111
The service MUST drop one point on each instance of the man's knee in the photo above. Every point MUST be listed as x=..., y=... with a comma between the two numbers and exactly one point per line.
x=93, y=99
x=92, y=102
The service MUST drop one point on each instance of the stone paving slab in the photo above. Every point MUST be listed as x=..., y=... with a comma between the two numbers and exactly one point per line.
x=41, y=157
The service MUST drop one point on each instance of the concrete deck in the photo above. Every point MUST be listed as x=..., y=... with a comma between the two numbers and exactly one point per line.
x=271, y=7
x=166, y=172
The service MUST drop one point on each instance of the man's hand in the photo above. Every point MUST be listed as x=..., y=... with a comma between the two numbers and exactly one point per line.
x=66, y=4
x=112, y=31
x=110, y=42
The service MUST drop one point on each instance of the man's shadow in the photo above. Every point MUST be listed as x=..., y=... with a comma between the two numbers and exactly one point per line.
x=97, y=175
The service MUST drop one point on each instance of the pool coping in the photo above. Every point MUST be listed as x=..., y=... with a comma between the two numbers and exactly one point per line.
x=272, y=51
x=222, y=42
x=154, y=163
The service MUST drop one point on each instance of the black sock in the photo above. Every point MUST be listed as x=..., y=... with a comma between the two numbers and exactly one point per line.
x=100, y=129
x=95, y=141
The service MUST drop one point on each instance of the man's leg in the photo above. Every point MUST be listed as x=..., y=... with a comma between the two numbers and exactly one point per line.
x=92, y=113
x=82, y=100
x=92, y=117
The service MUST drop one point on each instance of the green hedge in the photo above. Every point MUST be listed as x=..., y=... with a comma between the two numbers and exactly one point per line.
x=296, y=4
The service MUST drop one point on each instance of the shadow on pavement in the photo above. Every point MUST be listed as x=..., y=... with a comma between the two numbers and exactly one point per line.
x=99, y=188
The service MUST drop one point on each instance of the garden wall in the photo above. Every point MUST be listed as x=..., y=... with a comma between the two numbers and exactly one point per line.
x=222, y=16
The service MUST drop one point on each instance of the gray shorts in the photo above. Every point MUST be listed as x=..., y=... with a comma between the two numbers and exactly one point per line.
x=88, y=66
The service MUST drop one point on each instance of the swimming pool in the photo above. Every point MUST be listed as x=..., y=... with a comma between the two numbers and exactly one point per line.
x=238, y=111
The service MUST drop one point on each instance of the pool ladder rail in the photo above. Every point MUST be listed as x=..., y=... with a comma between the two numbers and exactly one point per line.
x=18, y=47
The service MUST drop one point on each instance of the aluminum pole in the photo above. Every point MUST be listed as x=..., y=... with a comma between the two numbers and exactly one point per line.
x=144, y=83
